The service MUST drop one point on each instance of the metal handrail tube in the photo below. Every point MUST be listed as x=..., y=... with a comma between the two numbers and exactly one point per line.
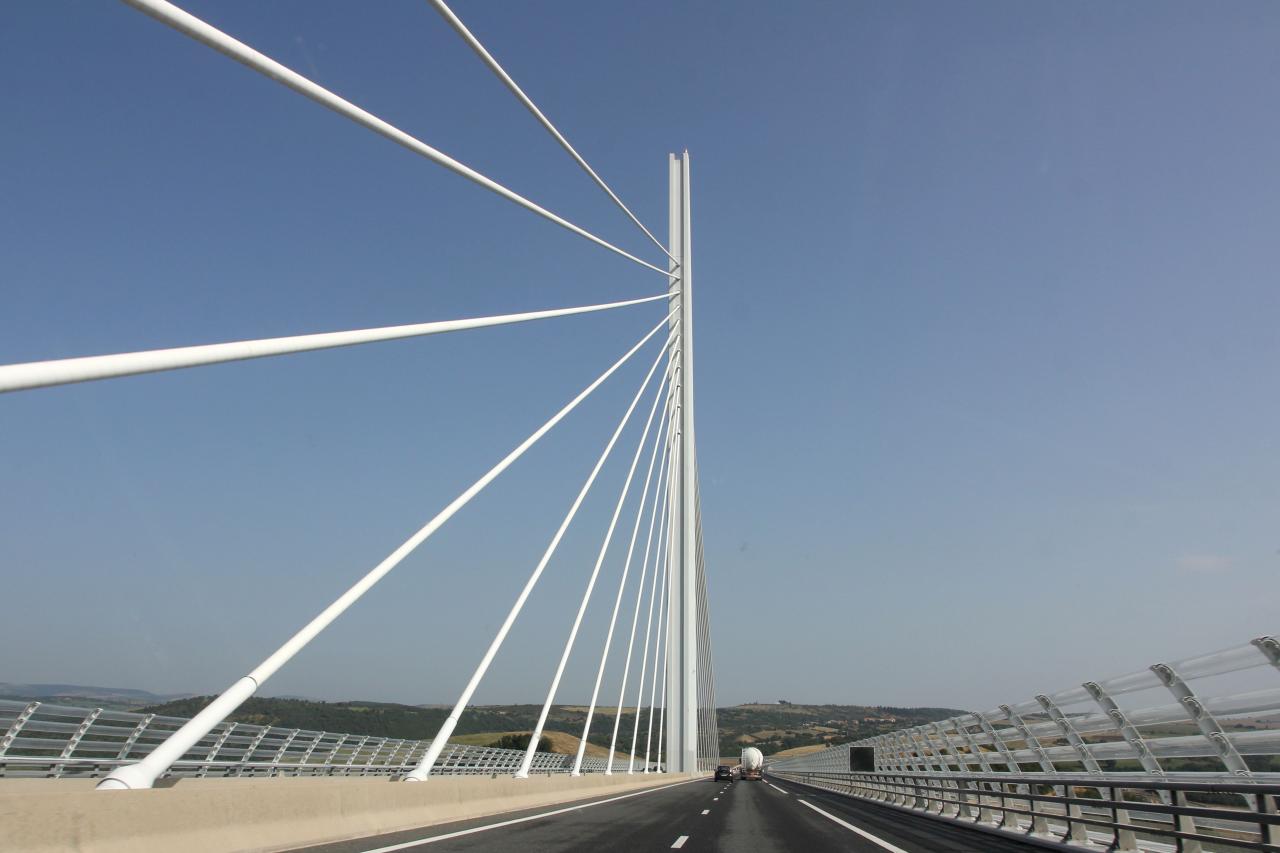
x=205, y=33
x=1171, y=818
x=144, y=773
x=63, y=371
x=515, y=89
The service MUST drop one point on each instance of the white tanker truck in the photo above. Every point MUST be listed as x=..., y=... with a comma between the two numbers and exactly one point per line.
x=752, y=762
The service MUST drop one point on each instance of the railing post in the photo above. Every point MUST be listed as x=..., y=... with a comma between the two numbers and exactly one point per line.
x=1124, y=840
x=1204, y=720
x=1008, y=817
x=1185, y=823
x=282, y=751
x=1075, y=831
x=251, y=749
x=215, y=749
x=127, y=746
x=74, y=741
x=1267, y=805
x=16, y=728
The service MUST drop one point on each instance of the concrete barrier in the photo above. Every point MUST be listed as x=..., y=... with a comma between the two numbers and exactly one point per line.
x=218, y=815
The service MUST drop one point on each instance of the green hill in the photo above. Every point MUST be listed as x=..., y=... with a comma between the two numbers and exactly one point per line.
x=380, y=719
x=769, y=727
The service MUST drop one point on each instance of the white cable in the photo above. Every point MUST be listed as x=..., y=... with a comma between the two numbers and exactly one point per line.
x=626, y=565
x=203, y=32
x=144, y=773
x=655, y=594
x=423, y=769
x=515, y=89
x=660, y=639
x=664, y=627
x=662, y=705
x=666, y=663
x=658, y=515
x=523, y=773
x=659, y=444
x=42, y=374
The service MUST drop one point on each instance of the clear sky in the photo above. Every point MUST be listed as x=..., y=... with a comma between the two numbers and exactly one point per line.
x=988, y=334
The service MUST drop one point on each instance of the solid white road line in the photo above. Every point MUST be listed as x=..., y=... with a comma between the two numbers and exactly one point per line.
x=775, y=787
x=873, y=839
x=433, y=839
x=680, y=842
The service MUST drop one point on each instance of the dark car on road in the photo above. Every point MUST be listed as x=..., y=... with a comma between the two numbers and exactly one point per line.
x=724, y=773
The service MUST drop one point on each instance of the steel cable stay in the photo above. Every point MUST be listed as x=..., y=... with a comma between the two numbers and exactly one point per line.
x=674, y=535
x=658, y=512
x=707, y=669
x=528, y=103
x=210, y=36
x=586, y=595
x=664, y=614
x=622, y=586
x=43, y=374
x=706, y=684
x=664, y=617
x=657, y=589
x=144, y=773
x=423, y=770
x=662, y=701
x=655, y=513
x=626, y=565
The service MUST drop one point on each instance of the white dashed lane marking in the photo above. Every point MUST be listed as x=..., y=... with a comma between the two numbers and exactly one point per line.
x=680, y=842
x=706, y=811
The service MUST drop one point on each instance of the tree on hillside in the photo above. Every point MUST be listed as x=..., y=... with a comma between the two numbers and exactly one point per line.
x=521, y=741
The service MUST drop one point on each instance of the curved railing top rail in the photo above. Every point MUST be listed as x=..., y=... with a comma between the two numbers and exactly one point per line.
x=1180, y=718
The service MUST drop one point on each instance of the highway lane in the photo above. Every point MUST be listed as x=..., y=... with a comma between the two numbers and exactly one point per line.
x=743, y=817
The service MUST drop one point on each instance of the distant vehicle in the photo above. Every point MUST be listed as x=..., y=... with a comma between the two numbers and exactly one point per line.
x=724, y=773
x=752, y=762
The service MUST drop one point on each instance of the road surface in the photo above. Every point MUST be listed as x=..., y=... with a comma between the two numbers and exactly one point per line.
x=696, y=817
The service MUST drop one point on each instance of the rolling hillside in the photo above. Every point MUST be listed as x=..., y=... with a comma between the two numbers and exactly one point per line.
x=771, y=727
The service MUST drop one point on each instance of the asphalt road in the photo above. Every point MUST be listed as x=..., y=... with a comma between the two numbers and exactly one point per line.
x=743, y=817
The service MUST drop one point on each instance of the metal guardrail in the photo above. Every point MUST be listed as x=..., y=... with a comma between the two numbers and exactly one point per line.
x=1079, y=811
x=47, y=740
x=1119, y=724
x=1085, y=758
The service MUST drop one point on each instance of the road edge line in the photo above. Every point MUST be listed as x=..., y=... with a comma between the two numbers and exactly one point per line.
x=405, y=845
x=892, y=848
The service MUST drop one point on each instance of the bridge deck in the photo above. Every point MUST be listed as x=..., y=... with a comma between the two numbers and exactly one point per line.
x=708, y=816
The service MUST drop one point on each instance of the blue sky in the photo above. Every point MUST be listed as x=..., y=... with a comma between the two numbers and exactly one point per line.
x=987, y=335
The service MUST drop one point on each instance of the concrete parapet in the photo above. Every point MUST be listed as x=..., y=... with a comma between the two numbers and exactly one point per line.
x=217, y=815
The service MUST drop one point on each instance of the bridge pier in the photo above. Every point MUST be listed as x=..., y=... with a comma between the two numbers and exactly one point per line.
x=682, y=589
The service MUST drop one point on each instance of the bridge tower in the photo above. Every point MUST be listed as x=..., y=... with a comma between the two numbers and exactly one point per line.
x=682, y=746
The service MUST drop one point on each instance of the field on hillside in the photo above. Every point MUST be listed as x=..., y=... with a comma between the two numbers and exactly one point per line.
x=792, y=729
x=561, y=742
